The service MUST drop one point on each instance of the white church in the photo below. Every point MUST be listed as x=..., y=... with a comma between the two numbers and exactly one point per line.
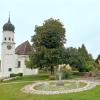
x=13, y=59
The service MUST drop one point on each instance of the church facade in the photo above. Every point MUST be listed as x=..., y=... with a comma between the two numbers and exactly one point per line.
x=13, y=59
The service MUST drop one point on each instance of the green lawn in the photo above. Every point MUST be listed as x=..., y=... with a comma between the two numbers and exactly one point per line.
x=40, y=76
x=12, y=91
x=30, y=78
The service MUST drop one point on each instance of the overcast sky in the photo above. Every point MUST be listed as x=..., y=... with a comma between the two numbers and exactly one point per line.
x=81, y=18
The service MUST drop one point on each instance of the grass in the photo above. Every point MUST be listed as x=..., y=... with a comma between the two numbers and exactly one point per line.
x=30, y=78
x=40, y=76
x=12, y=91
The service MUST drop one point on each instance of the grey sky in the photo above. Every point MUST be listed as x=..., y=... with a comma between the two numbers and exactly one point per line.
x=81, y=19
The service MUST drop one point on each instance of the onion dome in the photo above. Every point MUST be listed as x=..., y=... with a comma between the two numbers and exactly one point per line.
x=8, y=26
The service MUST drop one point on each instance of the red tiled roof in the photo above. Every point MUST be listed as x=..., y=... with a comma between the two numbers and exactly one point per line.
x=23, y=49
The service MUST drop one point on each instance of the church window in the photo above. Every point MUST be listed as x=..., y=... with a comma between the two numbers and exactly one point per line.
x=12, y=39
x=19, y=63
x=5, y=38
x=9, y=69
x=9, y=38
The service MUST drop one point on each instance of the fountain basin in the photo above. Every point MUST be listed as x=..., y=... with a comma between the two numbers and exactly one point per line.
x=51, y=87
x=58, y=86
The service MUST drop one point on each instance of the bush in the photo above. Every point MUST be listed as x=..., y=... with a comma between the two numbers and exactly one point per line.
x=67, y=75
x=52, y=77
x=20, y=74
x=79, y=73
x=14, y=75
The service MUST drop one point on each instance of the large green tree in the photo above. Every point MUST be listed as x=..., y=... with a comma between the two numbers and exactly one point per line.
x=47, y=43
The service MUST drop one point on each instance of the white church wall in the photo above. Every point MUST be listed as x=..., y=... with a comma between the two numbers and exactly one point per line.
x=30, y=71
x=8, y=64
x=23, y=69
x=22, y=59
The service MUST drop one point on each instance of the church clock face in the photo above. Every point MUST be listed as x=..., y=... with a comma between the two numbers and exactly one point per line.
x=9, y=47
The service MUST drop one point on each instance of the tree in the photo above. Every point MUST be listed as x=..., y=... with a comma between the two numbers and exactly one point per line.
x=47, y=43
x=78, y=60
x=84, y=53
x=88, y=60
x=73, y=58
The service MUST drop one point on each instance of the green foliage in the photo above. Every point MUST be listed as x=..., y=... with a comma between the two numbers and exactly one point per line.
x=67, y=75
x=73, y=58
x=14, y=75
x=48, y=42
x=83, y=52
x=88, y=63
x=51, y=34
x=97, y=66
x=79, y=58
x=52, y=77
x=49, y=51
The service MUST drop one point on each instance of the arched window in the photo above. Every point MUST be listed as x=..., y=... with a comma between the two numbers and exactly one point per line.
x=12, y=39
x=9, y=38
x=5, y=38
x=19, y=64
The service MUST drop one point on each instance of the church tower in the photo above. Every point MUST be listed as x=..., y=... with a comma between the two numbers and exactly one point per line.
x=8, y=49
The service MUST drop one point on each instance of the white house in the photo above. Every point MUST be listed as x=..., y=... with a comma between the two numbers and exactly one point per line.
x=13, y=59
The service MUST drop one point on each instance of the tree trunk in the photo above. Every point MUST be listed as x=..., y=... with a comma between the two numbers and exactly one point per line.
x=52, y=70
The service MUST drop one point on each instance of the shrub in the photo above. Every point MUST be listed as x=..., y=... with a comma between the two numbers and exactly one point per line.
x=14, y=75
x=67, y=75
x=20, y=74
x=52, y=77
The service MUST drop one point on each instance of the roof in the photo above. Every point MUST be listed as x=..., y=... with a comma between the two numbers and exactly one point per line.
x=24, y=48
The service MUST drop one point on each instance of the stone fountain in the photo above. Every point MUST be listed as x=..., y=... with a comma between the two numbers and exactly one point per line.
x=58, y=86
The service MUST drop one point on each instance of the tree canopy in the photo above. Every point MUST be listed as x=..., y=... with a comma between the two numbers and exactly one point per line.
x=47, y=44
x=79, y=59
x=49, y=51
